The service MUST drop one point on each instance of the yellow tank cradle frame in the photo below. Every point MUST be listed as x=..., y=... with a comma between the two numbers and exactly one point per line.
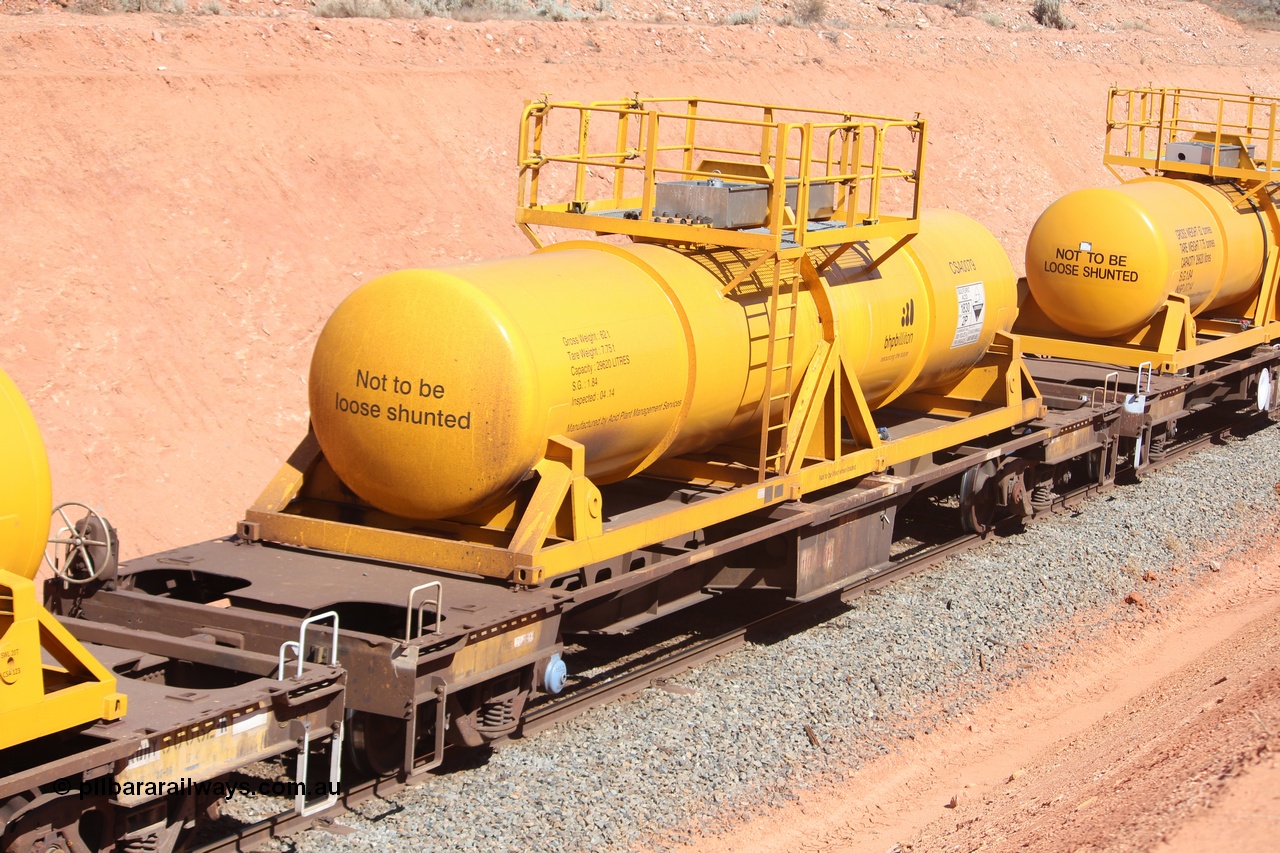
x=37, y=698
x=1141, y=125
x=851, y=166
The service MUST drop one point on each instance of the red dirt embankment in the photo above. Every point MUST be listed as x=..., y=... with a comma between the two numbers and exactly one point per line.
x=187, y=197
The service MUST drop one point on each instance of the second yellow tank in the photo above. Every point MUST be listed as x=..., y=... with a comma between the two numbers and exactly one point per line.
x=1102, y=262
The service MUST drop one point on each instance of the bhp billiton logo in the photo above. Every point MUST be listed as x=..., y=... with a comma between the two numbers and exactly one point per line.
x=909, y=313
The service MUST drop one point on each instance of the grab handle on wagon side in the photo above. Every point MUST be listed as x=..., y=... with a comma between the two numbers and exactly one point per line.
x=438, y=601
x=301, y=643
x=1144, y=369
x=1110, y=381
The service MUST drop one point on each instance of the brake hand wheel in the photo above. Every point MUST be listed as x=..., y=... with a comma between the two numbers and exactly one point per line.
x=81, y=549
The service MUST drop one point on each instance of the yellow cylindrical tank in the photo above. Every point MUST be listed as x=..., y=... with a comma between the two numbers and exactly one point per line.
x=433, y=392
x=1101, y=262
x=27, y=495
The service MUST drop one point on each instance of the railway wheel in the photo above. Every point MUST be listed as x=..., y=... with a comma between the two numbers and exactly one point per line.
x=993, y=492
x=978, y=498
x=54, y=823
x=375, y=743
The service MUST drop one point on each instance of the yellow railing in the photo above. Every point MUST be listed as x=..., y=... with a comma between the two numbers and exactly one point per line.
x=598, y=166
x=1141, y=124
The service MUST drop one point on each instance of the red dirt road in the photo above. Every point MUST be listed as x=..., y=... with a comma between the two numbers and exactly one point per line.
x=1165, y=739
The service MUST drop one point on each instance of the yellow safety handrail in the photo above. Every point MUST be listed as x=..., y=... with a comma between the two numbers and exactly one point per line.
x=574, y=174
x=1236, y=131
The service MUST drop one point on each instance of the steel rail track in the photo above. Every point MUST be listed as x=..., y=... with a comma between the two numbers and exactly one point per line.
x=654, y=673
x=555, y=711
x=611, y=689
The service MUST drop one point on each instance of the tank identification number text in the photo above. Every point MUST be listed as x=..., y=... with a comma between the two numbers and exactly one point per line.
x=971, y=305
x=590, y=355
x=1196, y=245
x=1099, y=265
x=395, y=411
